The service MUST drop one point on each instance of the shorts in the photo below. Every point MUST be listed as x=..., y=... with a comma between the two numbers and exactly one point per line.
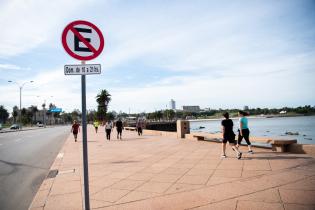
x=119, y=130
x=229, y=137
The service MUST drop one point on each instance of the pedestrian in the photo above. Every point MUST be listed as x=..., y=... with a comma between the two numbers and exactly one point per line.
x=243, y=131
x=119, y=128
x=108, y=129
x=75, y=129
x=228, y=136
x=96, y=124
x=139, y=126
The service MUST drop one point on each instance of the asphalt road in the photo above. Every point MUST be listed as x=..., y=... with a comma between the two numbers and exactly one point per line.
x=25, y=160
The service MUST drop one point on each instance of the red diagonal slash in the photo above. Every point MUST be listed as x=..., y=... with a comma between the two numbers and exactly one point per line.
x=82, y=39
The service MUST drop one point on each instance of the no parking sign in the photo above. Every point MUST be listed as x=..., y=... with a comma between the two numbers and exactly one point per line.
x=82, y=40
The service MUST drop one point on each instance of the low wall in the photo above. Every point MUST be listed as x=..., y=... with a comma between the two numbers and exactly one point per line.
x=160, y=133
x=302, y=149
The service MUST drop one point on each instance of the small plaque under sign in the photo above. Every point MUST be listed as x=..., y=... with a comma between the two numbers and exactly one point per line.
x=83, y=69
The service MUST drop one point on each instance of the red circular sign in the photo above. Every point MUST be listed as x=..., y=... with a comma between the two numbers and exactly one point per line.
x=82, y=40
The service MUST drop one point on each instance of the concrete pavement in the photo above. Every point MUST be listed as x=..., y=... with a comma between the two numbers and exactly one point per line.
x=162, y=172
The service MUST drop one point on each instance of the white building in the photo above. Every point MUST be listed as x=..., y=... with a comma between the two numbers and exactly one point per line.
x=172, y=104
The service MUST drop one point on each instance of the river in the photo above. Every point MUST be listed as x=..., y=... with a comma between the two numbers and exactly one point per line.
x=277, y=127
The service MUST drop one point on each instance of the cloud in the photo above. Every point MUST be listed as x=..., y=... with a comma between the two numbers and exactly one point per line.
x=12, y=67
x=28, y=24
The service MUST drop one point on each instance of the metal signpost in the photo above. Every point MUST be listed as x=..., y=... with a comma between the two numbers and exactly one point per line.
x=83, y=41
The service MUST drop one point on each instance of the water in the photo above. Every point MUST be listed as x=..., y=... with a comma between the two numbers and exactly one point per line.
x=268, y=127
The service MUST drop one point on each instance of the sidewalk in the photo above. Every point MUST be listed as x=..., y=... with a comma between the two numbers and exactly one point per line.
x=157, y=172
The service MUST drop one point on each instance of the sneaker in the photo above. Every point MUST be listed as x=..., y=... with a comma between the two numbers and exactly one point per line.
x=239, y=155
x=250, y=152
x=223, y=156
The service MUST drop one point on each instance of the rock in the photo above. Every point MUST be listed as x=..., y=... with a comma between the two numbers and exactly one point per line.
x=292, y=133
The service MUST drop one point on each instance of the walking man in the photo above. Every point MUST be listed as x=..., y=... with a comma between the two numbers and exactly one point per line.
x=228, y=136
x=75, y=129
x=119, y=128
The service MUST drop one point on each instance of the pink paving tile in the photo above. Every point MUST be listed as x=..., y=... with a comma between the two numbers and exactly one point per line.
x=227, y=173
x=269, y=196
x=127, y=184
x=99, y=204
x=297, y=196
x=248, y=174
x=223, y=205
x=180, y=187
x=141, y=176
x=156, y=187
x=220, y=180
x=200, y=172
x=64, y=202
x=199, y=179
x=65, y=187
x=250, y=205
x=137, y=195
x=298, y=207
x=109, y=195
x=166, y=177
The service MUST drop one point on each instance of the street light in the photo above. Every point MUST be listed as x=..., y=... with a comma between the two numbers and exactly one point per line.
x=21, y=87
x=44, y=110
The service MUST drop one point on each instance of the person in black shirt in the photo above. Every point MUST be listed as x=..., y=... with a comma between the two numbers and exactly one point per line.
x=228, y=136
x=119, y=127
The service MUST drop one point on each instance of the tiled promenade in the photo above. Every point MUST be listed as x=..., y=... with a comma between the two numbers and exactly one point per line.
x=156, y=172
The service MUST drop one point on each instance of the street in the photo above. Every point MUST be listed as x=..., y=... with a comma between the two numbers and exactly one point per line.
x=25, y=160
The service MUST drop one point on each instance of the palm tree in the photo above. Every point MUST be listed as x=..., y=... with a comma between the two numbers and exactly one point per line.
x=34, y=109
x=15, y=113
x=103, y=99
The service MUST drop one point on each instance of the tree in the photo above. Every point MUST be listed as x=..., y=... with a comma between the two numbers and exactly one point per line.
x=15, y=113
x=4, y=114
x=102, y=99
x=34, y=110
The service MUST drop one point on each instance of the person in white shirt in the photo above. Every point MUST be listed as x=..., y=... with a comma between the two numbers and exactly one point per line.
x=108, y=129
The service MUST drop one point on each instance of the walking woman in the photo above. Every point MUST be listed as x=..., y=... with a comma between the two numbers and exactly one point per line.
x=243, y=131
x=228, y=136
x=108, y=129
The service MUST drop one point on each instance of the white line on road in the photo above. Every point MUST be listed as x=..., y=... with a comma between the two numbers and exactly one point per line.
x=17, y=140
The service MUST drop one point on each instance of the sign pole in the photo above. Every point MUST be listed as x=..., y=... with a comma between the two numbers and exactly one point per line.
x=85, y=149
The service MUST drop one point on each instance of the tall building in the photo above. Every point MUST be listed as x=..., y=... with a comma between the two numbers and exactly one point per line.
x=245, y=108
x=172, y=104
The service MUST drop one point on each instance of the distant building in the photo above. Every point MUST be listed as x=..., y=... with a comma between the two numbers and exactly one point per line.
x=172, y=104
x=283, y=112
x=191, y=108
x=245, y=108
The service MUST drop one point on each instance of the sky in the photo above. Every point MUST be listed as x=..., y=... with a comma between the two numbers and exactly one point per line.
x=215, y=54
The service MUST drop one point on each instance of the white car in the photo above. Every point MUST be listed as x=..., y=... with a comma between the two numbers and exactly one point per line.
x=40, y=124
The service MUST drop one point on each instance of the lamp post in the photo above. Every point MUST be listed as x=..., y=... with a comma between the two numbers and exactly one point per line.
x=20, y=87
x=44, y=111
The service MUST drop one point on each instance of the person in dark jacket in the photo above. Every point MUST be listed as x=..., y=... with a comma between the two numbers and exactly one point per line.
x=228, y=136
x=119, y=128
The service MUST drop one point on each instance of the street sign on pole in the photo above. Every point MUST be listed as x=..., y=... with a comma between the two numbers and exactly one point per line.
x=82, y=69
x=83, y=41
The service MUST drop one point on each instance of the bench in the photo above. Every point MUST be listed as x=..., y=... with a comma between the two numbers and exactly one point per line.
x=281, y=145
x=205, y=138
x=130, y=128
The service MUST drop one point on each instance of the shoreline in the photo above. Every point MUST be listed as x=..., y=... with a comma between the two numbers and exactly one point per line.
x=252, y=117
